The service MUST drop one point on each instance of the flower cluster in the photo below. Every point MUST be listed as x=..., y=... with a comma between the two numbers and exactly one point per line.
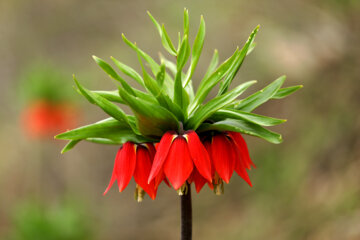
x=180, y=159
x=174, y=135
x=42, y=119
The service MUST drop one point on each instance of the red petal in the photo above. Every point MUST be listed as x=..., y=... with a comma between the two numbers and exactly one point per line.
x=207, y=145
x=198, y=180
x=240, y=166
x=241, y=144
x=178, y=164
x=222, y=156
x=142, y=171
x=161, y=153
x=152, y=150
x=127, y=161
x=199, y=155
x=114, y=173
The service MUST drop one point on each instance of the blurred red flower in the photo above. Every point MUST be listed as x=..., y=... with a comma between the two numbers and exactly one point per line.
x=44, y=119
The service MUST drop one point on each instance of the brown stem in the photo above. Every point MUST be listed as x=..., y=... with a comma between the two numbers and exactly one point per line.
x=186, y=215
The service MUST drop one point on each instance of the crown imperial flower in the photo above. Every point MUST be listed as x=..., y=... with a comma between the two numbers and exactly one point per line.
x=172, y=114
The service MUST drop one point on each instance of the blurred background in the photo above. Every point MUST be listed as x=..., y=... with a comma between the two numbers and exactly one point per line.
x=305, y=188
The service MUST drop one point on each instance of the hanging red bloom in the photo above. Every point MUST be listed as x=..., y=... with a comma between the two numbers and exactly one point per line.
x=177, y=156
x=134, y=160
x=228, y=152
x=44, y=119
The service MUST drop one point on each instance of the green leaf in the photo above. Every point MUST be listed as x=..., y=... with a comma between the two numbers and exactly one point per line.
x=109, y=128
x=112, y=96
x=160, y=76
x=284, y=92
x=169, y=64
x=250, y=117
x=215, y=104
x=186, y=22
x=157, y=25
x=207, y=84
x=213, y=64
x=109, y=70
x=250, y=103
x=152, y=120
x=104, y=141
x=128, y=71
x=251, y=48
x=172, y=67
x=70, y=145
x=161, y=97
x=155, y=68
x=184, y=53
x=196, y=52
x=165, y=39
x=237, y=63
x=242, y=127
x=104, y=104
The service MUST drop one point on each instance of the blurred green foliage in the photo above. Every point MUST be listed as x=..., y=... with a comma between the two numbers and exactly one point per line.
x=35, y=221
x=44, y=81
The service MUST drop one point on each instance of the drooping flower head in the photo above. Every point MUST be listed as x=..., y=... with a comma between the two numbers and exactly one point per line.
x=228, y=152
x=171, y=113
x=135, y=160
x=43, y=119
x=178, y=156
x=47, y=107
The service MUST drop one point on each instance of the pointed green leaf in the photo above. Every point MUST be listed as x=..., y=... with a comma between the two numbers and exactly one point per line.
x=153, y=65
x=155, y=68
x=251, y=48
x=184, y=53
x=128, y=71
x=250, y=117
x=186, y=22
x=213, y=64
x=109, y=128
x=284, y=92
x=237, y=63
x=161, y=97
x=70, y=145
x=196, y=52
x=112, y=96
x=243, y=127
x=104, y=104
x=165, y=39
x=160, y=76
x=215, y=104
x=167, y=43
x=152, y=120
x=182, y=57
x=169, y=64
x=207, y=84
x=109, y=70
x=157, y=25
x=250, y=103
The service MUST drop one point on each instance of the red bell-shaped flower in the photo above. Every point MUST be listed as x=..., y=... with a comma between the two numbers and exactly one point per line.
x=134, y=160
x=177, y=156
x=228, y=152
x=43, y=119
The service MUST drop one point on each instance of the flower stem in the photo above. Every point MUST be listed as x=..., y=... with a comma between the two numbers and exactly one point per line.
x=186, y=215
